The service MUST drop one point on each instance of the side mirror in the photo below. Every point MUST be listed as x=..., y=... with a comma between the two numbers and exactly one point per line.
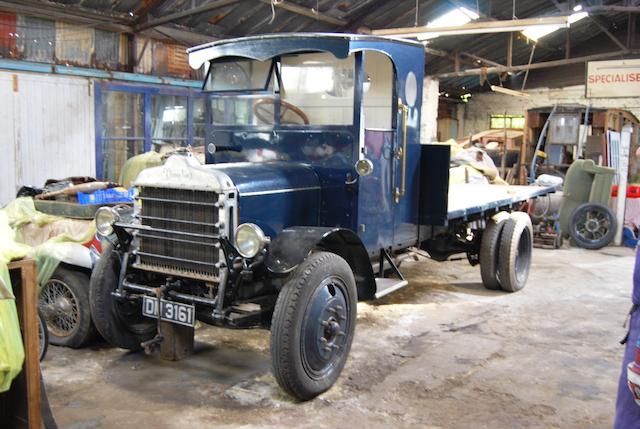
x=364, y=167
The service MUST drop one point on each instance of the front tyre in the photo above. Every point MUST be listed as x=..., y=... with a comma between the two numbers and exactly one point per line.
x=313, y=325
x=120, y=322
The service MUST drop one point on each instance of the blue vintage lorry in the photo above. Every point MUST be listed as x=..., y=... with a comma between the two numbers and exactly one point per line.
x=315, y=186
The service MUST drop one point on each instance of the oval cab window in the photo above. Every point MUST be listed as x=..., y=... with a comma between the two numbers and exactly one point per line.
x=411, y=89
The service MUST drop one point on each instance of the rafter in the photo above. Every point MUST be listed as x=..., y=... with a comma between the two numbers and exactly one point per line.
x=541, y=65
x=172, y=17
x=604, y=29
x=301, y=10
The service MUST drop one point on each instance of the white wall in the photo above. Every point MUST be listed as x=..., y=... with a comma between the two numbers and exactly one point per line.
x=474, y=116
x=48, y=130
x=429, y=118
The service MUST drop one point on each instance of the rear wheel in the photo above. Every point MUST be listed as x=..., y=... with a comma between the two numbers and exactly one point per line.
x=43, y=336
x=64, y=303
x=120, y=322
x=313, y=325
x=592, y=226
x=516, y=248
x=489, y=249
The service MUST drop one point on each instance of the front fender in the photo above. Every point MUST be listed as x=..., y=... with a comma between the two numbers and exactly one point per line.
x=293, y=245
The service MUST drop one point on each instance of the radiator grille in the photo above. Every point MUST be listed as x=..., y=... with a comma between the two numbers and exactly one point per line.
x=183, y=235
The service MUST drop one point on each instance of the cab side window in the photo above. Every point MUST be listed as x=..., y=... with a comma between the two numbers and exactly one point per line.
x=378, y=91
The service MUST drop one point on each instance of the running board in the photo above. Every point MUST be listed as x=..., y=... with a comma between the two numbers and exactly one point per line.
x=386, y=286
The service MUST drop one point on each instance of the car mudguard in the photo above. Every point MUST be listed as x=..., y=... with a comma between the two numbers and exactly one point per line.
x=293, y=245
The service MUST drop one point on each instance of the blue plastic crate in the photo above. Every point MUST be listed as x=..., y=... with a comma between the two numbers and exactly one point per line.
x=107, y=196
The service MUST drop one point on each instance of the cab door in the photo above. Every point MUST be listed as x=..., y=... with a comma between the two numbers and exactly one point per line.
x=376, y=206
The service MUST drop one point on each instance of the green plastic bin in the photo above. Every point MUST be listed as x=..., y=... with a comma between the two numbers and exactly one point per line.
x=584, y=182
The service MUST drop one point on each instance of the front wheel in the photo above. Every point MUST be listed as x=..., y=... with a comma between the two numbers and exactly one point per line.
x=120, y=322
x=313, y=325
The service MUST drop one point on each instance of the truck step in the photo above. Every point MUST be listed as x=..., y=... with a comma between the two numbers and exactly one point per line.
x=386, y=286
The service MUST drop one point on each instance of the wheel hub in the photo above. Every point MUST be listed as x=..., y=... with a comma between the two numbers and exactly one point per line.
x=63, y=305
x=592, y=225
x=325, y=327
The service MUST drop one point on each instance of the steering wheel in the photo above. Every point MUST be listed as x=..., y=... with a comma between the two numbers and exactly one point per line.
x=262, y=112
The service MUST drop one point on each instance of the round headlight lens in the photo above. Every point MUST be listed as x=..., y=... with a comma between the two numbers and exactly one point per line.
x=250, y=240
x=105, y=218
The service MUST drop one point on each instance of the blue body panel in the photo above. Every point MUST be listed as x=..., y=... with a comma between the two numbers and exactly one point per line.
x=275, y=195
x=367, y=205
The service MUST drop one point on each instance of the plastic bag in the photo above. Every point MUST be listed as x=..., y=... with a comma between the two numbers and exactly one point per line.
x=11, y=347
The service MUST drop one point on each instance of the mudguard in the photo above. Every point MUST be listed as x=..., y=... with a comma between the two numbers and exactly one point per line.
x=293, y=245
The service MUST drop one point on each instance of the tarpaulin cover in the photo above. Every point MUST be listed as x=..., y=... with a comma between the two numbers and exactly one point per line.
x=134, y=165
x=50, y=238
x=11, y=347
x=473, y=165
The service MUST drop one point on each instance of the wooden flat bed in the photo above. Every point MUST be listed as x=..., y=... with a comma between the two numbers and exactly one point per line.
x=475, y=201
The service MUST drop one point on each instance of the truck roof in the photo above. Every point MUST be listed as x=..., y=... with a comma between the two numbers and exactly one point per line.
x=263, y=47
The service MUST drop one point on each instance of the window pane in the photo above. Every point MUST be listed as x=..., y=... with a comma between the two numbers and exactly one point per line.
x=114, y=155
x=199, y=119
x=122, y=114
x=242, y=110
x=378, y=90
x=512, y=121
x=238, y=75
x=168, y=117
x=320, y=86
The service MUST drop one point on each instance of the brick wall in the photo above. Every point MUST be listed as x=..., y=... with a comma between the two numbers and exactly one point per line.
x=474, y=116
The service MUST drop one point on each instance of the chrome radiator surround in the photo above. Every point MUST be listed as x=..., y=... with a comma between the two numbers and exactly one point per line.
x=181, y=222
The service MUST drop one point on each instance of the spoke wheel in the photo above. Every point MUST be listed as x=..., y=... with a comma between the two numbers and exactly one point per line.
x=64, y=304
x=59, y=306
x=592, y=226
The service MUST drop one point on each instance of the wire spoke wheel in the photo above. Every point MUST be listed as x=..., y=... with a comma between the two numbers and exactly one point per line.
x=60, y=307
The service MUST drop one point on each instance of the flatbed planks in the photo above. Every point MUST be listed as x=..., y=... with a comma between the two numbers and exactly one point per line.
x=469, y=199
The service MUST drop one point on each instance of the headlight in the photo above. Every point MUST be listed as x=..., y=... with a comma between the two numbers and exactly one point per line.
x=250, y=240
x=105, y=218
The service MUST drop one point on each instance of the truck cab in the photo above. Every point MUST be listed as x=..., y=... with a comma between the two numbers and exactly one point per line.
x=315, y=183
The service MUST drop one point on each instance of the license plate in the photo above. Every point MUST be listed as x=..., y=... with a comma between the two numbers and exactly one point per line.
x=174, y=312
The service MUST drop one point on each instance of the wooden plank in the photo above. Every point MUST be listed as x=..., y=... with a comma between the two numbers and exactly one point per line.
x=26, y=292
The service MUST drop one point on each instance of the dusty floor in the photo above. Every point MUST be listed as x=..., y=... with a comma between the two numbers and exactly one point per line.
x=440, y=353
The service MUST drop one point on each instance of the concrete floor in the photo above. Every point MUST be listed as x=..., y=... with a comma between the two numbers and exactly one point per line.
x=440, y=353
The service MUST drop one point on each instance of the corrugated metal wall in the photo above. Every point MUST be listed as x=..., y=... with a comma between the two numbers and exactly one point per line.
x=7, y=35
x=74, y=44
x=48, y=130
x=36, y=38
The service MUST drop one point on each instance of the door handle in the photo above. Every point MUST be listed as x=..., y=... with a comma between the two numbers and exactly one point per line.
x=399, y=192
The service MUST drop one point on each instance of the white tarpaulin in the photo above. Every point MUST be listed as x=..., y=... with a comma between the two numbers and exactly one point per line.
x=606, y=79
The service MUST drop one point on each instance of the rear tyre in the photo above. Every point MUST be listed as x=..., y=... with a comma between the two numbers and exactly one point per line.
x=313, y=325
x=120, y=322
x=516, y=248
x=489, y=249
x=592, y=226
x=64, y=303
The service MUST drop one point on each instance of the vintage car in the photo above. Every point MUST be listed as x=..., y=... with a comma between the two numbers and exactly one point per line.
x=315, y=184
